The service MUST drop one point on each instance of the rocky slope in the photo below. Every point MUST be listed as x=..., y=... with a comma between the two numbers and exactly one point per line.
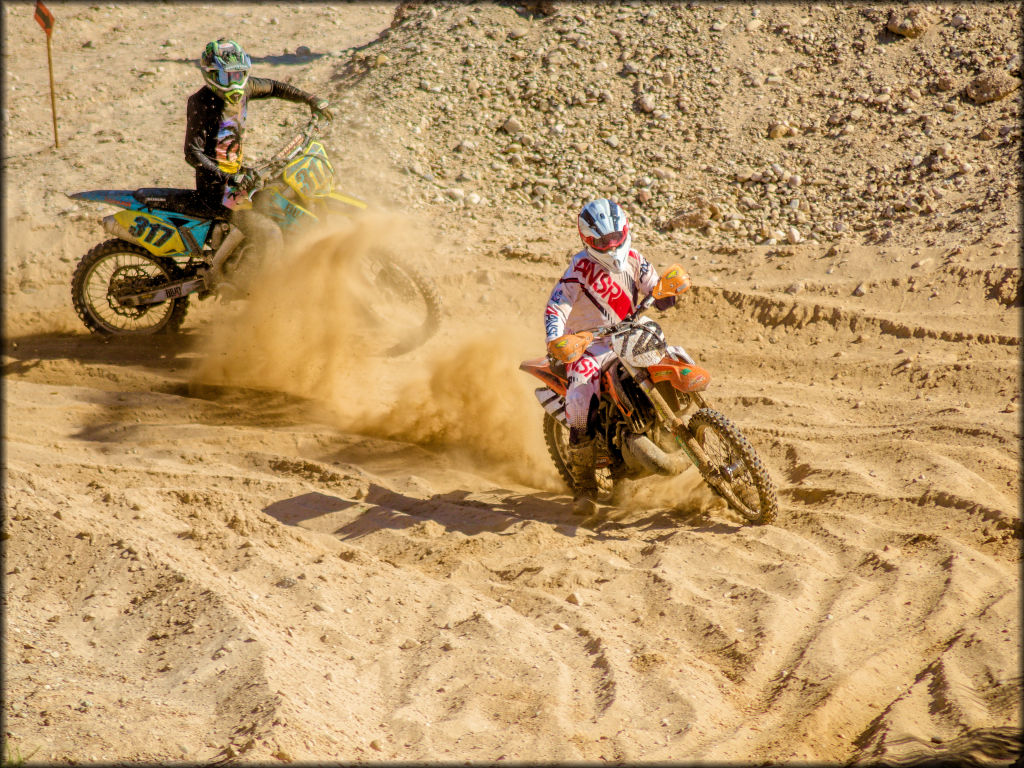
x=734, y=123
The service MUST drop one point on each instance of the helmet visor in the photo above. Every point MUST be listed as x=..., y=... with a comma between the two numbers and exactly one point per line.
x=606, y=242
x=228, y=78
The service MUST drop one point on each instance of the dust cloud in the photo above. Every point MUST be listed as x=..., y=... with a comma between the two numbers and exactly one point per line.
x=309, y=328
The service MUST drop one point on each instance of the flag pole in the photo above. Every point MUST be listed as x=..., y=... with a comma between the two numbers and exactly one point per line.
x=53, y=97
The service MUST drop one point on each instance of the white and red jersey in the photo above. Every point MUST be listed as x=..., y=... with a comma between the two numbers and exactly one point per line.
x=588, y=295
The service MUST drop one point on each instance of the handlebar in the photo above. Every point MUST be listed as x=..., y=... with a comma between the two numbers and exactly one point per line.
x=609, y=330
x=309, y=130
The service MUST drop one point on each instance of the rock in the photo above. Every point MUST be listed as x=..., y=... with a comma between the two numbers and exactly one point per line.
x=793, y=235
x=959, y=21
x=455, y=193
x=920, y=263
x=644, y=195
x=718, y=26
x=559, y=626
x=88, y=44
x=554, y=58
x=286, y=583
x=697, y=217
x=376, y=745
x=408, y=644
x=777, y=130
x=574, y=599
x=860, y=290
x=991, y=86
x=795, y=288
x=515, y=34
x=303, y=50
x=645, y=103
x=908, y=22
x=612, y=141
x=629, y=68
x=512, y=125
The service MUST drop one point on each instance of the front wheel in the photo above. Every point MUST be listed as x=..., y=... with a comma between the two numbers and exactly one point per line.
x=734, y=471
x=117, y=268
x=403, y=303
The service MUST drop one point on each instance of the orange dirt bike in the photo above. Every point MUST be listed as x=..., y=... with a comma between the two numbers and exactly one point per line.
x=167, y=245
x=653, y=420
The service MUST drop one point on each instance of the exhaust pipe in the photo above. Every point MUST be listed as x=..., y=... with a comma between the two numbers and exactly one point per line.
x=640, y=452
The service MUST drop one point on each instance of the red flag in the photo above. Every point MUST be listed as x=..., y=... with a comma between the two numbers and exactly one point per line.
x=44, y=17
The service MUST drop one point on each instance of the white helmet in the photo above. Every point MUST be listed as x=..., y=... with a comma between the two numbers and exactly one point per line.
x=605, y=232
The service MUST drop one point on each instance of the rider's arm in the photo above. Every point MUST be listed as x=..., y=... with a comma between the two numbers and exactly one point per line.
x=265, y=88
x=560, y=304
x=648, y=278
x=201, y=118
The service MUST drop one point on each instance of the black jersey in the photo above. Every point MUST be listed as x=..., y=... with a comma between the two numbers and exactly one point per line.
x=215, y=129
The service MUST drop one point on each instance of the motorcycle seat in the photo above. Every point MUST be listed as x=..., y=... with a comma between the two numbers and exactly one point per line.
x=186, y=201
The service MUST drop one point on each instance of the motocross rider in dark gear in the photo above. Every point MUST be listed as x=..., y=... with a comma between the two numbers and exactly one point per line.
x=214, y=133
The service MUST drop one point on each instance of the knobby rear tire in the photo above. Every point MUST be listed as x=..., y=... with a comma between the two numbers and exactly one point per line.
x=166, y=322
x=706, y=422
x=556, y=437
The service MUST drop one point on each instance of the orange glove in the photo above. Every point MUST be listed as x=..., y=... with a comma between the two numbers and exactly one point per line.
x=570, y=347
x=672, y=283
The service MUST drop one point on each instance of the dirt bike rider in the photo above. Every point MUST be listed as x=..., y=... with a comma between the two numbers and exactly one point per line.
x=215, y=128
x=604, y=283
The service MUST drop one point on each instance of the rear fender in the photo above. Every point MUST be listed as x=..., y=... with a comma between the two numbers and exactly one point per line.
x=122, y=198
x=540, y=368
x=686, y=377
x=153, y=232
x=552, y=402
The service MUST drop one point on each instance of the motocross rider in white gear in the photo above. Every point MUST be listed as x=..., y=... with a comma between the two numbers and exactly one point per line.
x=603, y=284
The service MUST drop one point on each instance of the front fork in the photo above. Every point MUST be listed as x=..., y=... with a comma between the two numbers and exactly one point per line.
x=682, y=434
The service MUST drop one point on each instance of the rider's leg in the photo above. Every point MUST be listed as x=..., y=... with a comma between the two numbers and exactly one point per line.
x=263, y=243
x=580, y=408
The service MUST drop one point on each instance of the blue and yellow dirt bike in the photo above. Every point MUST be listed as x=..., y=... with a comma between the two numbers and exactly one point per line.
x=167, y=246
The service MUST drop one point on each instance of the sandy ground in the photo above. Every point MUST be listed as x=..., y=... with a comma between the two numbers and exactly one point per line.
x=257, y=541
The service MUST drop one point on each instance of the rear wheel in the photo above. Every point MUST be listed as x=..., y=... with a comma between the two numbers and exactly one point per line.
x=735, y=472
x=117, y=268
x=556, y=436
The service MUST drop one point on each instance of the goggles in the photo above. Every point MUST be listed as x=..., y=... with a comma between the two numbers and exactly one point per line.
x=225, y=78
x=607, y=242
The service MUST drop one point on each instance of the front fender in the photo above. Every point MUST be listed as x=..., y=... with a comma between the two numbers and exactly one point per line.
x=337, y=201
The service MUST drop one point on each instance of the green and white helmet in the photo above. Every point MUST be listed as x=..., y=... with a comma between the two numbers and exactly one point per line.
x=225, y=69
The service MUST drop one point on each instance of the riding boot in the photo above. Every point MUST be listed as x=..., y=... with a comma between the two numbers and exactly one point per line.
x=582, y=458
